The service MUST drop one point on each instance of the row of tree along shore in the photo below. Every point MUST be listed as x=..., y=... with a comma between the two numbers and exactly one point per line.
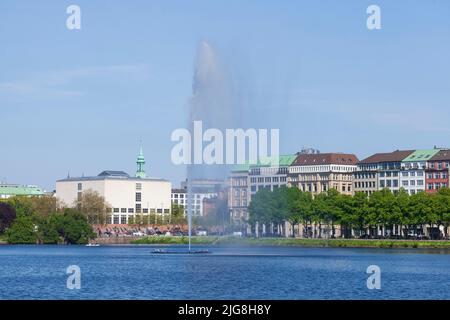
x=36, y=220
x=291, y=212
x=274, y=216
x=281, y=241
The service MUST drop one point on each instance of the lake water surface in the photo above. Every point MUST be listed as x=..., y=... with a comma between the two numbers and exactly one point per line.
x=134, y=272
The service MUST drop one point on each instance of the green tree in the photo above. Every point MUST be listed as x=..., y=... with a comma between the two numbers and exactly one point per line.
x=22, y=231
x=93, y=206
x=75, y=227
x=261, y=209
x=178, y=216
x=443, y=208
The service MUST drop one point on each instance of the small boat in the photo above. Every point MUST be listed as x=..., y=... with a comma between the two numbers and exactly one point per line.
x=92, y=245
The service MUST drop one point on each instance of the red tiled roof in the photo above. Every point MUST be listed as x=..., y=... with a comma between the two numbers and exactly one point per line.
x=395, y=156
x=325, y=158
x=443, y=155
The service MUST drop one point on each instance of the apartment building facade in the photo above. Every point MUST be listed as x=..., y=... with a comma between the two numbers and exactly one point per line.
x=180, y=197
x=412, y=175
x=437, y=172
x=379, y=171
x=239, y=194
x=317, y=173
x=246, y=180
x=270, y=176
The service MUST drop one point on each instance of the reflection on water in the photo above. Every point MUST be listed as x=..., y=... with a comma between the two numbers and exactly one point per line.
x=134, y=272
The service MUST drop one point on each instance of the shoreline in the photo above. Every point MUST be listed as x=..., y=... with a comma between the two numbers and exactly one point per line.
x=274, y=242
x=298, y=242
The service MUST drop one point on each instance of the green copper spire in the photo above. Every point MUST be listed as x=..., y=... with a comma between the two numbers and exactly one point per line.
x=140, y=173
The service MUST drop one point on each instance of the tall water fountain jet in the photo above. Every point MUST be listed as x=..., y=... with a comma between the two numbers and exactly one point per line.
x=214, y=104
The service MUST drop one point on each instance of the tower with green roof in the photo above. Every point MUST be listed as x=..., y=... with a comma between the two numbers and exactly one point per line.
x=140, y=173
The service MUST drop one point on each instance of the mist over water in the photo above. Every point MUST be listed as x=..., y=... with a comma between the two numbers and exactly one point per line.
x=213, y=102
x=229, y=94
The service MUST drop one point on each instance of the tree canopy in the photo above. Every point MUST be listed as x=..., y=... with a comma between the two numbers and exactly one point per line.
x=353, y=214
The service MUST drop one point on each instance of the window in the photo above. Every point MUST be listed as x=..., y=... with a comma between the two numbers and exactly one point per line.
x=138, y=186
x=420, y=182
x=138, y=208
x=382, y=183
x=166, y=211
x=138, y=197
x=123, y=219
x=404, y=173
x=405, y=183
x=123, y=210
x=116, y=210
x=79, y=196
x=80, y=186
x=116, y=220
x=159, y=211
x=145, y=210
x=430, y=186
x=130, y=210
x=413, y=182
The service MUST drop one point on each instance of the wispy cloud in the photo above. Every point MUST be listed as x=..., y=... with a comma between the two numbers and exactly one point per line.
x=61, y=83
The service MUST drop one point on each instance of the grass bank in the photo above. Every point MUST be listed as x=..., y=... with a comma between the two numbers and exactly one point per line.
x=336, y=243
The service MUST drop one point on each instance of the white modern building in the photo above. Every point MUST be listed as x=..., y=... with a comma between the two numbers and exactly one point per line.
x=125, y=195
x=201, y=189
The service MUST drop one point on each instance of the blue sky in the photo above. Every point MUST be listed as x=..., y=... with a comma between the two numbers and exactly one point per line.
x=80, y=101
